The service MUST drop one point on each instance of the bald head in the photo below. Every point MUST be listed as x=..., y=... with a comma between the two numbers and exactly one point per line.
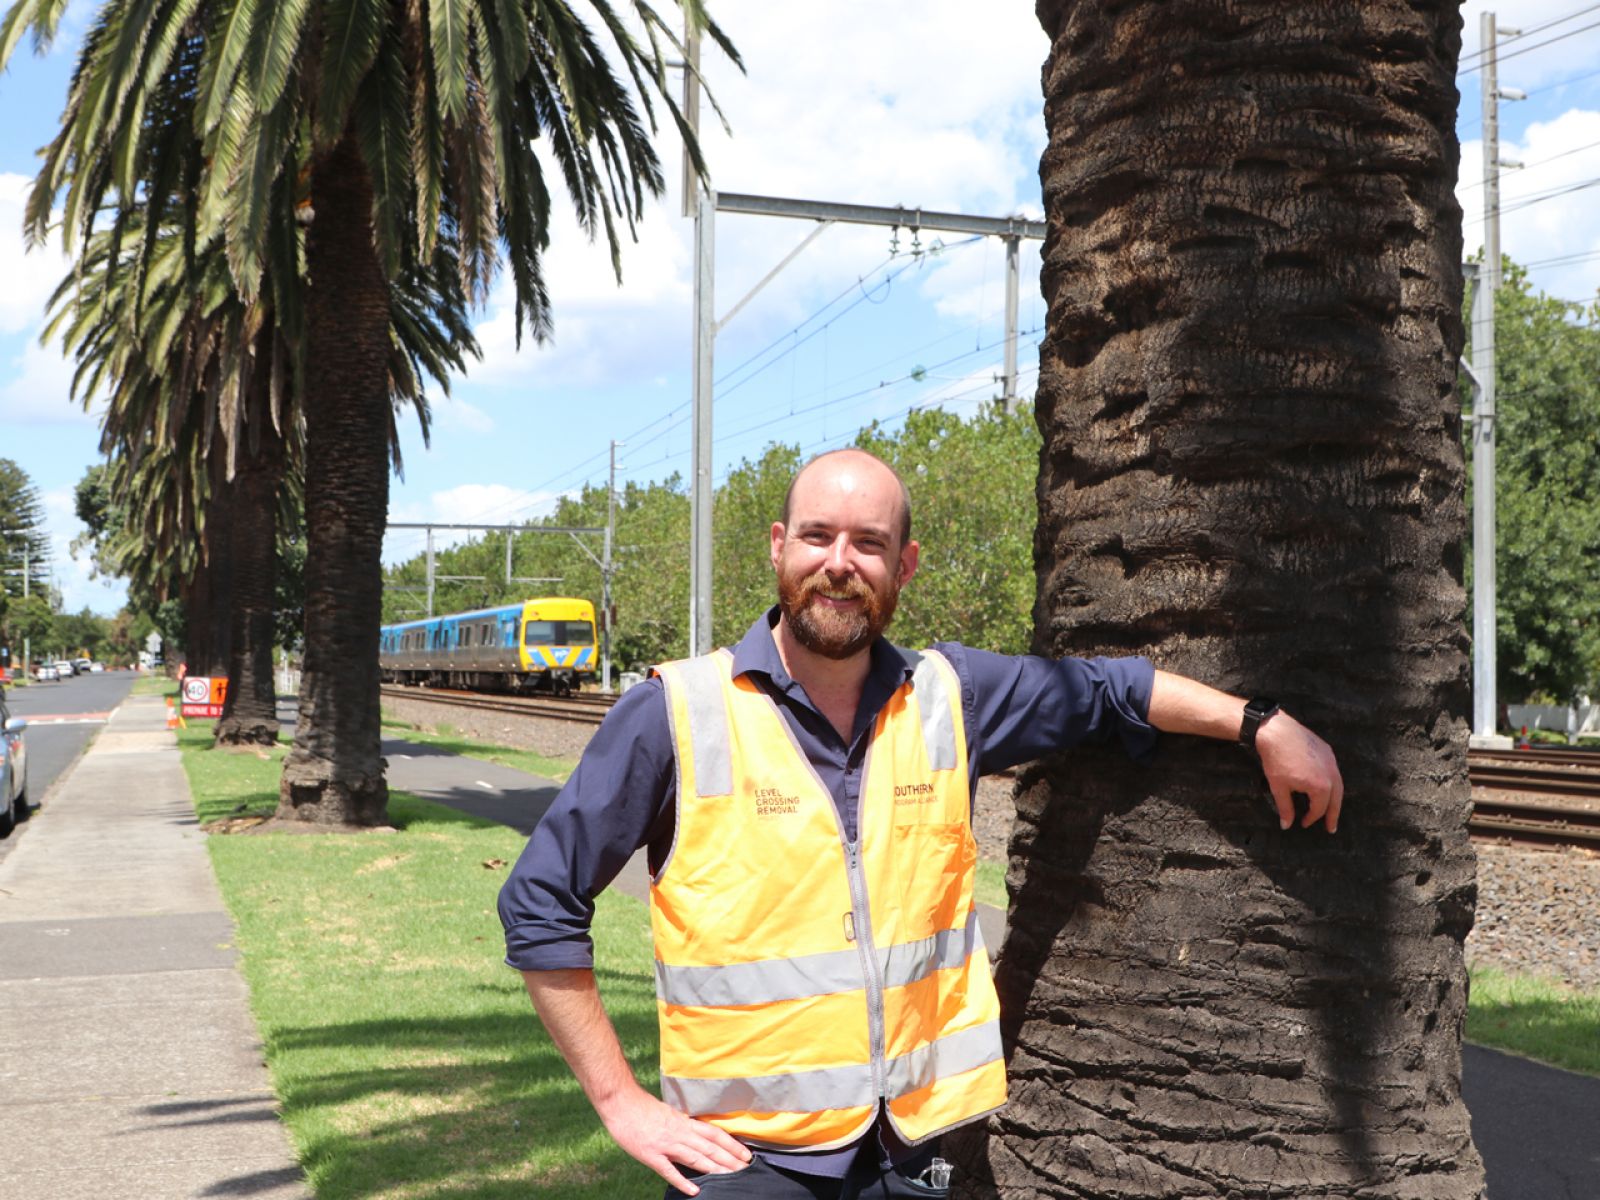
x=856, y=471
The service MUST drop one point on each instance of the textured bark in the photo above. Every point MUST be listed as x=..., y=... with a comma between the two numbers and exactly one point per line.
x=207, y=595
x=1251, y=472
x=250, y=714
x=334, y=773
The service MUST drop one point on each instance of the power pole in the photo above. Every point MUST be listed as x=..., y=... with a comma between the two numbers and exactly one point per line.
x=430, y=571
x=701, y=202
x=1008, y=395
x=1485, y=707
x=606, y=568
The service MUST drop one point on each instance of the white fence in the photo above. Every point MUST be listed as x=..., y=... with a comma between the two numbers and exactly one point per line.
x=1582, y=720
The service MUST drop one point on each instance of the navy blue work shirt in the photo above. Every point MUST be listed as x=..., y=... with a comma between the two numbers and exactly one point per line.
x=623, y=793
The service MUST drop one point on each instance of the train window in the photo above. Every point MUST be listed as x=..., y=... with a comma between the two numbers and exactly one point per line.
x=558, y=633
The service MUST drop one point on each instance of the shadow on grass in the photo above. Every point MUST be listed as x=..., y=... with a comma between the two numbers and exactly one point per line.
x=457, y=1106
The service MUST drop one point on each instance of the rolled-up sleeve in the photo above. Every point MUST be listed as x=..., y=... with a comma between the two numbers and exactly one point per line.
x=619, y=799
x=1021, y=707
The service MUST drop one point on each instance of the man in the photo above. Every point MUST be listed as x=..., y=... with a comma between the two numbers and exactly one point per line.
x=824, y=998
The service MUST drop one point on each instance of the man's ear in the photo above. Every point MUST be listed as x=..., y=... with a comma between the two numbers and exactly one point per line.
x=778, y=535
x=908, y=561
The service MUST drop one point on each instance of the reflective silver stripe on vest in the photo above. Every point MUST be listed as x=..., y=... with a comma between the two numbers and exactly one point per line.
x=933, y=700
x=951, y=1055
x=771, y=980
x=760, y=982
x=835, y=1087
x=801, y=1092
x=910, y=961
x=708, y=725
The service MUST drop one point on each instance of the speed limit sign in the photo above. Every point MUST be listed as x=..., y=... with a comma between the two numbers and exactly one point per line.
x=196, y=689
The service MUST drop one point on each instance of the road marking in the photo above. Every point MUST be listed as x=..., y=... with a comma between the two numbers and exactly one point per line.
x=66, y=718
x=486, y=786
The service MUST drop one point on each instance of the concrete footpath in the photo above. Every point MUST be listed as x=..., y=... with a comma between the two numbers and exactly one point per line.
x=129, y=1062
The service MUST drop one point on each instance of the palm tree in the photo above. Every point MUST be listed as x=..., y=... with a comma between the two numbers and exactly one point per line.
x=1251, y=472
x=202, y=429
x=379, y=127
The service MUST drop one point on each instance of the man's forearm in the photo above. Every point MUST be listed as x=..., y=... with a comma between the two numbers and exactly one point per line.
x=660, y=1137
x=1182, y=705
x=568, y=1002
x=1294, y=760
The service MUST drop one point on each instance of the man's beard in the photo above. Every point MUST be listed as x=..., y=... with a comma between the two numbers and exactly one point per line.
x=831, y=632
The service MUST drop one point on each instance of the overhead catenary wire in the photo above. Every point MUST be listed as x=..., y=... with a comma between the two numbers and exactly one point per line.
x=1520, y=50
x=1538, y=162
x=725, y=389
x=1530, y=31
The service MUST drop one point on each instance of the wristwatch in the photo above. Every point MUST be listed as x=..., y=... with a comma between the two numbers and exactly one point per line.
x=1256, y=713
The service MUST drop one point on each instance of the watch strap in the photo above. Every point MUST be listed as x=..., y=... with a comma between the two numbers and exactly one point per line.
x=1256, y=712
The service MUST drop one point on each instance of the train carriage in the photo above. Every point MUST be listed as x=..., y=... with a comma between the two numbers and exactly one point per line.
x=544, y=644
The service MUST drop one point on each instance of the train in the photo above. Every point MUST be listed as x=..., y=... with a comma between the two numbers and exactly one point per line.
x=544, y=644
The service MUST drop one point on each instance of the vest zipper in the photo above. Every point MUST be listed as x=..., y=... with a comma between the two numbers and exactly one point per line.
x=870, y=968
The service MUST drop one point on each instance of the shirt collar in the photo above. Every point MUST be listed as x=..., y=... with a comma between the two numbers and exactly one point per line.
x=757, y=651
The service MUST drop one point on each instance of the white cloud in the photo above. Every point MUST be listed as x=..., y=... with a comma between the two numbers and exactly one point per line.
x=1539, y=221
x=455, y=414
x=74, y=576
x=934, y=110
x=30, y=276
x=39, y=388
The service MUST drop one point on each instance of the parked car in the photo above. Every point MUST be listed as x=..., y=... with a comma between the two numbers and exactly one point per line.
x=81, y=665
x=14, y=793
x=65, y=669
x=96, y=667
x=46, y=673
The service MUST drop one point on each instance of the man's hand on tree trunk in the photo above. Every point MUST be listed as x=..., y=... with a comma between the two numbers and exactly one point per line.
x=1295, y=760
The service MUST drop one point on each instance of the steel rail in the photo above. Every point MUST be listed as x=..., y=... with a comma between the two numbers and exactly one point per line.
x=554, y=708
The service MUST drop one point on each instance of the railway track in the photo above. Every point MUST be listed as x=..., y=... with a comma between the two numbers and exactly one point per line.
x=1494, y=814
x=1534, y=823
x=579, y=709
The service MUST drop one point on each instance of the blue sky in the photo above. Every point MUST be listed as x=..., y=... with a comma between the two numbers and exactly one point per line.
x=878, y=104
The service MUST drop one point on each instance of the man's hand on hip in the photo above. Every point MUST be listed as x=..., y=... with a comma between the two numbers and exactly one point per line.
x=663, y=1139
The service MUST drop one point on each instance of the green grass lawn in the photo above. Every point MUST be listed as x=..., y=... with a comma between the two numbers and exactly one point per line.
x=1537, y=1018
x=406, y=1055
x=447, y=737
x=148, y=684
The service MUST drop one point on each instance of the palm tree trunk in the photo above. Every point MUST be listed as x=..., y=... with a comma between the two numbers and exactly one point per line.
x=1251, y=472
x=334, y=773
x=218, y=543
x=250, y=713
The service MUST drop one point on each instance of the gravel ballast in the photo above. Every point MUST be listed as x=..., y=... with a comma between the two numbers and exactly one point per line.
x=1536, y=908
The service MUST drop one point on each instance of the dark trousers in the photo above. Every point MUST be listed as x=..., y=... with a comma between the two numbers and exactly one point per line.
x=867, y=1180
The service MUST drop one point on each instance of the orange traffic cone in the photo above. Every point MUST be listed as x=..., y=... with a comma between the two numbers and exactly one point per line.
x=173, y=719
x=1522, y=742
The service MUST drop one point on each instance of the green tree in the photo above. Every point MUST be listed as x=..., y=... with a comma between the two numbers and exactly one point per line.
x=746, y=505
x=1547, y=459
x=24, y=543
x=971, y=485
x=31, y=623
x=330, y=146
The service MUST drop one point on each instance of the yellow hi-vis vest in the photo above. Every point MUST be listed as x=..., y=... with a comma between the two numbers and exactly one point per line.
x=802, y=981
